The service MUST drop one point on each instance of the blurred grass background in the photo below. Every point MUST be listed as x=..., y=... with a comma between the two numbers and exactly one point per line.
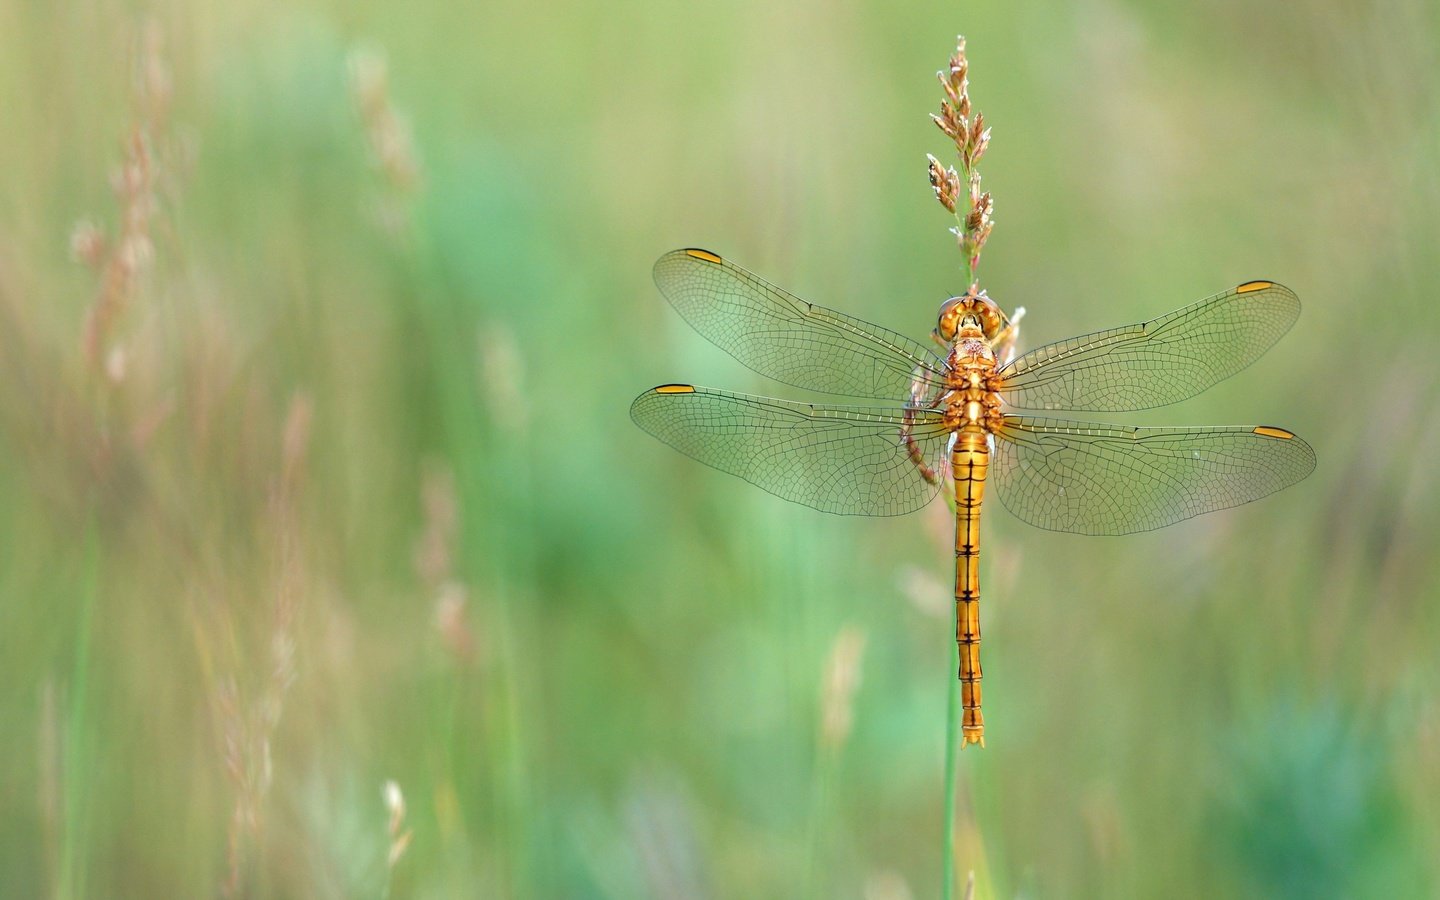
x=318, y=325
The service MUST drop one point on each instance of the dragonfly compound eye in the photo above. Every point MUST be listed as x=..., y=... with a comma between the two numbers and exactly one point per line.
x=974, y=310
x=990, y=319
x=949, y=319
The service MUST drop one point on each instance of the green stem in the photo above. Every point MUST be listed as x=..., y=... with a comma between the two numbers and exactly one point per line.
x=952, y=707
x=78, y=765
x=962, y=215
x=820, y=799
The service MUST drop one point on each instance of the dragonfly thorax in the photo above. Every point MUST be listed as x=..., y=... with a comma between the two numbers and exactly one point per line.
x=973, y=352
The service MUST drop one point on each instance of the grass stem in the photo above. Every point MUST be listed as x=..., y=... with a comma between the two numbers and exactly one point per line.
x=952, y=709
x=74, y=845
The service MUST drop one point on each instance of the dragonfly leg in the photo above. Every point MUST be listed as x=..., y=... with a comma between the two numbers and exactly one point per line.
x=926, y=471
x=1007, y=338
x=918, y=386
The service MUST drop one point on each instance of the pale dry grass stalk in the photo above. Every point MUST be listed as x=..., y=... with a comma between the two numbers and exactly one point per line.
x=434, y=550
x=399, y=836
x=248, y=725
x=452, y=620
x=840, y=682
x=959, y=191
x=105, y=428
x=659, y=820
x=295, y=444
x=121, y=261
x=502, y=378
x=434, y=562
x=395, y=824
x=389, y=134
x=247, y=767
x=926, y=592
x=392, y=144
x=887, y=885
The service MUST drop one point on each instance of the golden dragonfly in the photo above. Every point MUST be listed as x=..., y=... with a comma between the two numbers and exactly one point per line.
x=944, y=415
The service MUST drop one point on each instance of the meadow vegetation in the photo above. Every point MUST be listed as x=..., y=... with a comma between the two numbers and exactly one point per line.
x=332, y=566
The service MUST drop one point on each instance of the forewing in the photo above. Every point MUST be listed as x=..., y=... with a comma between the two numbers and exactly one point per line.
x=839, y=459
x=1089, y=478
x=782, y=337
x=1154, y=363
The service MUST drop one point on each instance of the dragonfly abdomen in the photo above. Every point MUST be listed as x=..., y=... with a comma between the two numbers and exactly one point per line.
x=970, y=463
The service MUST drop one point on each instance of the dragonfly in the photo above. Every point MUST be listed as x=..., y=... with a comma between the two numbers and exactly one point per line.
x=944, y=416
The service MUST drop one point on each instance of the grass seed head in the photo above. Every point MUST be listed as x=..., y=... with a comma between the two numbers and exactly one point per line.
x=395, y=827
x=971, y=138
x=391, y=141
x=946, y=183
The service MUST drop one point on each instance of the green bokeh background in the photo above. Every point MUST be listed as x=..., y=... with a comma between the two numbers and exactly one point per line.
x=604, y=678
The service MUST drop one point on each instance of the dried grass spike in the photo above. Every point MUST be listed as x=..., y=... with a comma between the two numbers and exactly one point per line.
x=971, y=138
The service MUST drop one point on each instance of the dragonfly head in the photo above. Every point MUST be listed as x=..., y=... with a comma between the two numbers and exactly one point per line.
x=970, y=315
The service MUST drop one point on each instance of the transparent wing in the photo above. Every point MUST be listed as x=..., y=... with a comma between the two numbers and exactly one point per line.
x=839, y=459
x=1089, y=478
x=1154, y=363
x=782, y=337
